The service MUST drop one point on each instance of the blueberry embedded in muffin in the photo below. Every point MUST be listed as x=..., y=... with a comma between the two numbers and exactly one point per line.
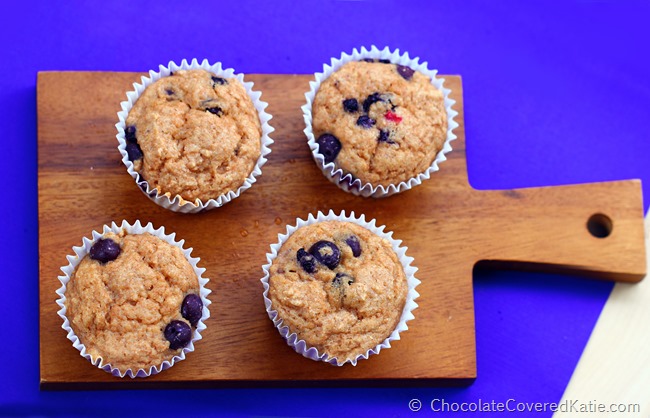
x=365, y=121
x=351, y=105
x=178, y=333
x=326, y=253
x=192, y=308
x=355, y=246
x=306, y=260
x=329, y=146
x=405, y=72
x=372, y=99
x=133, y=150
x=105, y=250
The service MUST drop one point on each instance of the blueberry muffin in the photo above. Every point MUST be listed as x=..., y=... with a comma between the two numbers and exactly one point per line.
x=380, y=122
x=194, y=135
x=339, y=287
x=133, y=301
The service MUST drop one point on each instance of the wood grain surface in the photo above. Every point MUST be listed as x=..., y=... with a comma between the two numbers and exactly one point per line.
x=447, y=225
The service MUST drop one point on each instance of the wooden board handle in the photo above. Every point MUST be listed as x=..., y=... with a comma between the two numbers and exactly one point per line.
x=541, y=229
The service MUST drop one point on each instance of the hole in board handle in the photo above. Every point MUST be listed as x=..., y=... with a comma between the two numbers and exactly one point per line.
x=599, y=225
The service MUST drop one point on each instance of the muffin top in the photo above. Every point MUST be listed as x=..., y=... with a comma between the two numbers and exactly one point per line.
x=125, y=298
x=194, y=134
x=380, y=122
x=339, y=287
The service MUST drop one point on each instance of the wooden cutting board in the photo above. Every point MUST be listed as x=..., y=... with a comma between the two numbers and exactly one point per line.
x=447, y=225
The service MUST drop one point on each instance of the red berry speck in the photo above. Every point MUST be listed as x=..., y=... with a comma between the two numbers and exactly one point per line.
x=393, y=117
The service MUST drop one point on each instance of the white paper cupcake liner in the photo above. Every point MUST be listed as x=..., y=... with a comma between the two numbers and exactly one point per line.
x=176, y=203
x=346, y=181
x=300, y=346
x=81, y=251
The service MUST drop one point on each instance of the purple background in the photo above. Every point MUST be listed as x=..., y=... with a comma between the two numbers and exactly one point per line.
x=554, y=94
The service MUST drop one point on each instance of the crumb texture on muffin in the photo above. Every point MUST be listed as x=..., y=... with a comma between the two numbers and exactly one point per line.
x=119, y=309
x=389, y=119
x=198, y=135
x=339, y=287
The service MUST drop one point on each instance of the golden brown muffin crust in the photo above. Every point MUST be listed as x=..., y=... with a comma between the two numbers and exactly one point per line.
x=200, y=138
x=120, y=309
x=411, y=114
x=342, y=317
